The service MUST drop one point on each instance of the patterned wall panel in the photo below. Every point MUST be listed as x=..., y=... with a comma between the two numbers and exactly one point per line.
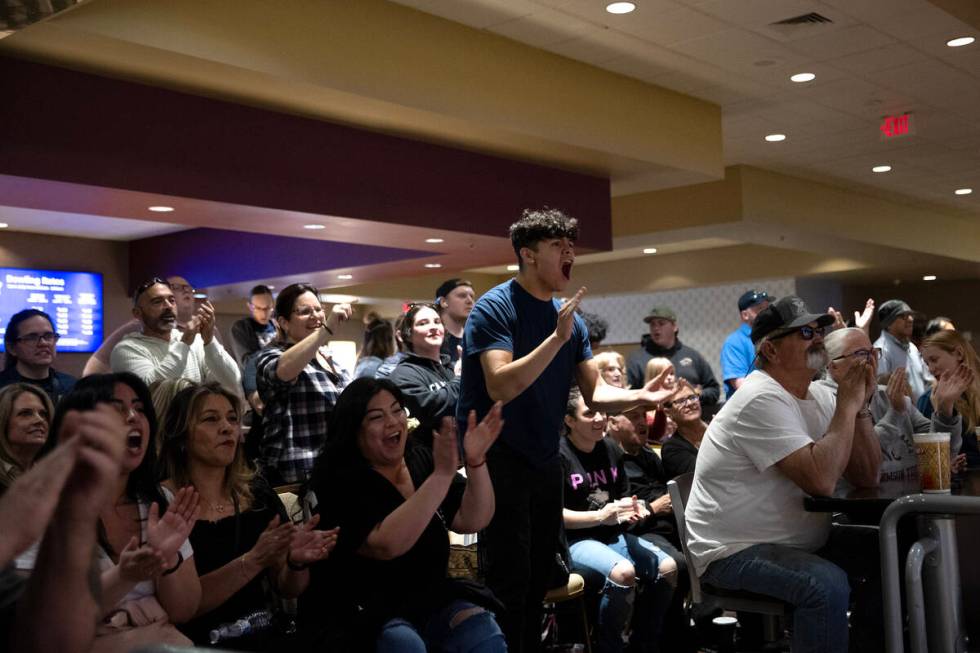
x=705, y=316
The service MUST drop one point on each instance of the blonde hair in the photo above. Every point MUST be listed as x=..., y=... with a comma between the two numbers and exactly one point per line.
x=953, y=342
x=607, y=358
x=180, y=420
x=9, y=466
x=163, y=393
x=654, y=367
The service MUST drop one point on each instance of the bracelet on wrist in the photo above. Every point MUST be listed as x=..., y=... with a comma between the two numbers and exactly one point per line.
x=864, y=412
x=480, y=464
x=294, y=566
x=180, y=561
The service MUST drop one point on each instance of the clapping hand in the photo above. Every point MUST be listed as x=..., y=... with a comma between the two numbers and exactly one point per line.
x=950, y=386
x=839, y=322
x=139, y=563
x=101, y=435
x=205, y=321
x=657, y=390
x=480, y=437
x=309, y=545
x=445, y=449
x=863, y=319
x=640, y=508
x=273, y=544
x=168, y=533
x=896, y=390
x=858, y=384
x=566, y=316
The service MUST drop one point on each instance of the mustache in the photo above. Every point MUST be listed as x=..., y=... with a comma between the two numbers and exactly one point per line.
x=168, y=314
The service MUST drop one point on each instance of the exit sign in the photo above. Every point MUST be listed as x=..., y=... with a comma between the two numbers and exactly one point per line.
x=895, y=126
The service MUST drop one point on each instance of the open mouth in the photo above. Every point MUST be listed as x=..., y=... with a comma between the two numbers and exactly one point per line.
x=566, y=269
x=392, y=439
x=134, y=440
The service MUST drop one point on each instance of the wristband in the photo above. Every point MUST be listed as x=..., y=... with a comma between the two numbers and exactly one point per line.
x=482, y=463
x=180, y=561
x=295, y=567
x=327, y=329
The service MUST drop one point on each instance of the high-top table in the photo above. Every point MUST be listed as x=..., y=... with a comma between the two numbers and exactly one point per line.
x=935, y=573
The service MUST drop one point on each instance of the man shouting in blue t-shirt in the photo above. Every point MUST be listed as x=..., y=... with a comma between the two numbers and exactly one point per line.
x=523, y=347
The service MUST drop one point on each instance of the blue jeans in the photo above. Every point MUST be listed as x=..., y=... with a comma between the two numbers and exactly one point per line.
x=817, y=589
x=477, y=633
x=616, y=599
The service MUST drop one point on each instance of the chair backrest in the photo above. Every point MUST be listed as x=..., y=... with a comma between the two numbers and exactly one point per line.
x=680, y=489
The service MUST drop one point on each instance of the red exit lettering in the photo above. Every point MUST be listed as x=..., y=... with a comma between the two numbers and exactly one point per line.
x=893, y=126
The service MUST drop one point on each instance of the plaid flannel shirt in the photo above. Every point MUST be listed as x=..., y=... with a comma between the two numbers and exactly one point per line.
x=296, y=414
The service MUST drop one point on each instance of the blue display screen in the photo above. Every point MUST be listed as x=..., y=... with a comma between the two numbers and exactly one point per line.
x=72, y=299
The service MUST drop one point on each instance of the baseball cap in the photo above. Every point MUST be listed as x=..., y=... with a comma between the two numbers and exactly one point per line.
x=449, y=286
x=890, y=310
x=786, y=313
x=752, y=297
x=662, y=312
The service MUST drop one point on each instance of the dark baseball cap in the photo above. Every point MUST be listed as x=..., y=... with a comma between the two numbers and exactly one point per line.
x=449, y=286
x=662, y=312
x=891, y=310
x=752, y=297
x=787, y=313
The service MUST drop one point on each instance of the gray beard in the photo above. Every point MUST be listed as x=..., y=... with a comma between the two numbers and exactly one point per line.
x=817, y=360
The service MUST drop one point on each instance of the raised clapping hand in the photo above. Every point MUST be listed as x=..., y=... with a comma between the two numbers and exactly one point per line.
x=950, y=386
x=858, y=384
x=139, y=563
x=445, y=449
x=839, y=322
x=480, y=437
x=896, y=390
x=205, y=321
x=566, y=316
x=273, y=544
x=657, y=390
x=863, y=319
x=168, y=533
x=308, y=545
x=101, y=435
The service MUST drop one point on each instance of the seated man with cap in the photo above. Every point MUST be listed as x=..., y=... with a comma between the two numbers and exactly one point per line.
x=662, y=341
x=738, y=354
x=897, y=348
x=778, y=439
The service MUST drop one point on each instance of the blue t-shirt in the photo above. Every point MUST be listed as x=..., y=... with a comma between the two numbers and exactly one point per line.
x=507, y=317
x=737, y=356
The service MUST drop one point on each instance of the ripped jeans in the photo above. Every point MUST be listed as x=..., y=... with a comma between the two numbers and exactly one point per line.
x=477, y=632
x=617, y=601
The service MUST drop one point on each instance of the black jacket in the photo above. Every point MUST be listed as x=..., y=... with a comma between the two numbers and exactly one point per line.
x=431, y=391
x=688, y=364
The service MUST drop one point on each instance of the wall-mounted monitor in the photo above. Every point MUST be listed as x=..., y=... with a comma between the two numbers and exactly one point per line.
x=72, y=299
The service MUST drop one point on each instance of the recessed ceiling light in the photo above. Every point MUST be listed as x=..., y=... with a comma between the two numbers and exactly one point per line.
x=775, y=138
x=960, y=42
x=513, y=268
x=270, y=286
x=929, y=277
x=3, y=225
x=434, y=241
x=433, y=266
x=881, y=169
x=345, y=276
x=649, y=250
x=620, y=7
x=800, y=78
x=161, y=209
x=963, y=191
x=314, y=227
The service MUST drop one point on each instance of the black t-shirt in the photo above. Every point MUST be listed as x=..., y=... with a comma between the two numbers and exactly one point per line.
x=366, y=592
x=218, y=543
x=593, y=479
x=450, y=343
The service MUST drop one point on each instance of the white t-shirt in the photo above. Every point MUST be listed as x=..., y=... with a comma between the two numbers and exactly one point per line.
x=739, y=497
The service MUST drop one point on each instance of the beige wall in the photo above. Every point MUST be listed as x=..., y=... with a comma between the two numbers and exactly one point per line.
x=110, y=258
x=955, y=299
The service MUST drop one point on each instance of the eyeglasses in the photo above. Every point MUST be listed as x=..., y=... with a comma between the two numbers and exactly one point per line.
x=684, y=402
x=34, y=338
x=866, y=354
x=181, y=287
x=143, y=287
x=308, y=311
x=806, y=332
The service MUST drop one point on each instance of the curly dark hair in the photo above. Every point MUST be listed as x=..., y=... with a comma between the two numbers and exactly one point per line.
x=536, y=225
x=596, y=325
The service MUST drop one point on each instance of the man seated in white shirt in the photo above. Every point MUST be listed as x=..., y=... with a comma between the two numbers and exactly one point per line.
x=775, y=441
x=162, y=351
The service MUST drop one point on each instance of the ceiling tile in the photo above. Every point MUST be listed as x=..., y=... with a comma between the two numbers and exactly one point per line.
x=478, y=13
x=926, y=20
x=882, y=58
x=849, y=40
x=671, y=25
x=738, y=49
x=543, y=27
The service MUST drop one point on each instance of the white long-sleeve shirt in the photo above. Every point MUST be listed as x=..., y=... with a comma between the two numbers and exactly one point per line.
x=153, y=359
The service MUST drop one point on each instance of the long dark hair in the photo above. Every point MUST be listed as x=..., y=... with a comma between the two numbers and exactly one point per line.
x=344, y=426
x=13, y=331
x=379, y=339
x=142, y=484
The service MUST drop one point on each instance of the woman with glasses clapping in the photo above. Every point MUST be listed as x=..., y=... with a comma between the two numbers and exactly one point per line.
x=299, y=383
x=30, y=342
